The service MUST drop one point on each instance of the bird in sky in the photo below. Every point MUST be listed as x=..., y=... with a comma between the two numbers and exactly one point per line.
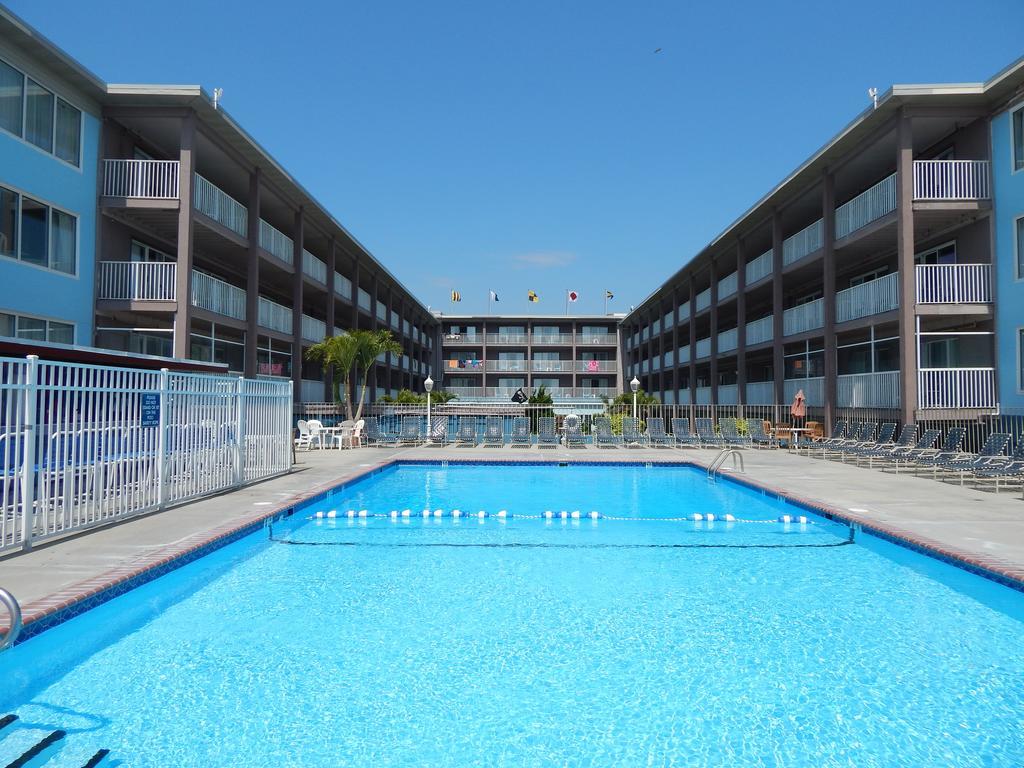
x=657, y=50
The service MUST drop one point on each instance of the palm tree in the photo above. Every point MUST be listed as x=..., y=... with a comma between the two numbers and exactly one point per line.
x=369, y=346
x=338, y=353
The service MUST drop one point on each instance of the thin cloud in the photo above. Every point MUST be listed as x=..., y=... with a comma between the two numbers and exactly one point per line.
x=543, y=259
x=443, y=282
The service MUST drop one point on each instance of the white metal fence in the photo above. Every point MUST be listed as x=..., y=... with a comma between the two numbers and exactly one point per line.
x=137, y=280
x=803, y=243
x=313, y=267
x=956, y=388
x=868, y=390
x=951, y=180
x=86, y=445
x=208, y=292
x=759, y=268
x=152, y=179
x=868, y=206
x=954, y=283
x=214, y=202
x=761, y=330
x=803, y=317
x=275, y=316
x=274, y=241
x=871, y=298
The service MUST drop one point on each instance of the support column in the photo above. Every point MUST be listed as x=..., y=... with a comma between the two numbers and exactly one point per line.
x=828, y=208
x=328, y=370
x=693, y=341
x=353, y=390
x=778, y=361
x=297, y=303
x=675, y=345
x=252, y=278
x=905, y=259
x=741, y=324
x=375, y=325
x=186, y=232
x=713, y=366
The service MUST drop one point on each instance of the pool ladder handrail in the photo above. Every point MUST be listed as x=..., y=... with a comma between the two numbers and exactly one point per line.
x=9, y=602
x=720, y=459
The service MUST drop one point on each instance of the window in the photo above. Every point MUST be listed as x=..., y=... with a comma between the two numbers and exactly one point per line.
x=867, y=277
x=1019, y=241
x=36, y=329
x=1020, y=359
x=38, y=234
x=142, y=252
x=33, y=112
x=1018, y=139
x=940, y=254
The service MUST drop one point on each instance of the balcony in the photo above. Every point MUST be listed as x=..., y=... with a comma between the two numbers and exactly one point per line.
x=342, y=286
x=515, y=366
x=727, y=286
x=683, y=355
x=311, y=391
x=213, y=202
x=803, y=317
x=703, y=348
x=728, y=340
x=954, y=283
x=551, y=339
x=596, y=366
x=462, y=339
x=467, y=391
x=760, y=268
x=866, y=207
x=871, y=298
x=956, y=388
x=595, y=392
x=137, y=280
x=760, y=331
x=553, y=366
x=728, y=394
x=596, y=339
x=313, y=329
x=703, y=396
x=276, y=242
x=814, y=390
x=274, y=316
x=518, y=339
x=703, y=300
x=868, y=390
x=952, y=180
x=761, y=393
x=141, y=179
x=313, y=267
x=803, y=243
x=215, y=295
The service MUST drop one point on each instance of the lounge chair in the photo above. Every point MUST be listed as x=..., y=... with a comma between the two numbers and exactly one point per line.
x=494, y=436
x=681, y=434
x=1003, y=473
x=439, y=430
x=656, y=434
x=731, y=433
x=908, y=433
x=903, y=455
x=547, y=436
x=375, y=435
x=603, y=436
x=990, y=456
x=410, y=434
x=521, y=432
x=631, y=436
x=884, y=440
x=950, y=450
x=467, y=431
x=865, y=435
x=706, y=433
x=574, y=437
x=758, y=437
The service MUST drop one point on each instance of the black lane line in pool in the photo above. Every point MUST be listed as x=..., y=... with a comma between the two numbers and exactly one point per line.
x=26, y=758
x=7, y=720
x=96, y=759
x=514, y=545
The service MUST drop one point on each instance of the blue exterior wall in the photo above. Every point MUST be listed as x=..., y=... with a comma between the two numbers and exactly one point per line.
x=32, y=290
x=1008, y=197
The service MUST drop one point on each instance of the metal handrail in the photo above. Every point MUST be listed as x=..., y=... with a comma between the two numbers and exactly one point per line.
x=719, y=460
x=15, y=610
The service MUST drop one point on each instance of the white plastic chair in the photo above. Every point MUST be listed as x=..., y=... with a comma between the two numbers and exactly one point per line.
x=316, y=432
x=304, y=439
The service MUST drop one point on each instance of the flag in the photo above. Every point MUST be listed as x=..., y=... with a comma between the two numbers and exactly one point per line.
x=532, y=296
x=520, y=396
x=573, y=295
x=456, y=296
x=494, y=296
x=609, y=295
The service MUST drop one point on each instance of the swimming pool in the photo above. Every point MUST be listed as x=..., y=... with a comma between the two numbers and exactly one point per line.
x=533, y=641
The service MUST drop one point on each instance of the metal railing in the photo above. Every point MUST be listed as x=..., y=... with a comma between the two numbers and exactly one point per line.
x=597, y=366
x=311, y=391
x=803, y=243
x=137, y=280
x=507, y=338
x=868, y=390
x=560, y=339
x=274, y=316
x=728, y=394
x=146, y=179
x=313, y=267
x=342, y=286
x=553, y=366
x=14, y=625
x=87, y=445
x=276, y=242
x=952, y=180
x=210, y=293
x=760, y=392
x=760, y=268
x=814, y=390
x=683, y=354
x=515, y=366
x=866, y=207
x=212, y=201
x=761, y=330
x=728, y=285
x=313, y=329
x=702, y=395
x=803, y=317
x=956, y=388
x=594, y=339
x=703, y=348
x=728, y=340
x=871, y=298
x=703, y=300
x=954, y=283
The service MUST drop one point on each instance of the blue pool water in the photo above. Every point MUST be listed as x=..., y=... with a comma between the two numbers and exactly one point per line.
x=529, y=642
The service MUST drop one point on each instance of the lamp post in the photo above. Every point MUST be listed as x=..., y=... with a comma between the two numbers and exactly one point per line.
x=634, y=385
x=428, y=385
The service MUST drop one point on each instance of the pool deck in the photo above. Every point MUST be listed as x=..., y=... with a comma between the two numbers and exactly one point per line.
x=982, y=529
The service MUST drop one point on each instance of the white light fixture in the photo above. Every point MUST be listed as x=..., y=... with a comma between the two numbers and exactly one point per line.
x=428, y=384
x=634, y=384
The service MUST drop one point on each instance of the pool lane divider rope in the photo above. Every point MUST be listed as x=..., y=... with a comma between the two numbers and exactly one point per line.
x=543, y=545
x=407, y=514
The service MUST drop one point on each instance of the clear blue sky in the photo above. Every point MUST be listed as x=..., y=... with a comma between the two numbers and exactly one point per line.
x=537, y=145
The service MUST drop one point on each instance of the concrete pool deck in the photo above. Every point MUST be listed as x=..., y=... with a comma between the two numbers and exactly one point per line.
x=983, y=529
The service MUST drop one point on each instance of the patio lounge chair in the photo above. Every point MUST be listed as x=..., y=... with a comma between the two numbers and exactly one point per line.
x=1003, y=473
x=731, y=433
x=990, y=455
x=901, y=455
x=631, y=436
x=493, y=434
x=410, y=434
x=574, y=437
x=467, y=431
x=681, y=434
x=439, y=430
x=375, y=435
x=706, y=433
x=603, y=436
x=884, y=440
x=656, y=432
x=758, y=437
x=906, y=439
x=546, y=434
x=840, y=433
x=865, y=435
x=521, y=432
x=950, y=450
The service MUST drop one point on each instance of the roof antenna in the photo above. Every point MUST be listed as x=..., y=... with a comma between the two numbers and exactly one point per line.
x=873, y=95
x=218, y=94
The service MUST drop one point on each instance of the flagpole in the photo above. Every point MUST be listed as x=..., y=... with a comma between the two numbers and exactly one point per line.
x=606, y=303
x=566, y=302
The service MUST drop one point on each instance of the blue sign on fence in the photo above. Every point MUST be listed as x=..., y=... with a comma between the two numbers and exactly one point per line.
x=151, y=409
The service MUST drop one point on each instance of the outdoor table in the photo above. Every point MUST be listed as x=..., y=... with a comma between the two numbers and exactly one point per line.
x=795, y=431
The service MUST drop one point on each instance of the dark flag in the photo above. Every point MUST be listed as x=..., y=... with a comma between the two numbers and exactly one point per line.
x=520, y=396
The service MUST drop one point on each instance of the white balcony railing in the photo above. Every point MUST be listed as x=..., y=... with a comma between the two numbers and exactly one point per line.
x=212, y=201
x=274, y=316
x=506, y=338
x=313, y=267
x=759, y=268
x=760, y=393
x=952, y=180
x=728, y=394
x=871, y=298
x=595, y=392
x=148, y=179
x=866, y=207
x=596, y=366
x=593, y=339
x=507, y=365
x=954, y=283
x=803, y=243
x=702, y=395
x=553, y=366
x=683, y=354
x=137, y=280
x=868, y=390
x=814, y=390
x=803, y=317
x=276, y=242
x=668, y=359
x=684, y=312
x=462, y=339
x=215, y=295
x=557, y=339
x=311, y=391
x=342, y=286
x=313, y=329
x=467, y=391
x=683, y=396
x=761, y=330
x=956, y=388
x=703, y=300
x=728, y=285
x=728, y=340
x=703, y=348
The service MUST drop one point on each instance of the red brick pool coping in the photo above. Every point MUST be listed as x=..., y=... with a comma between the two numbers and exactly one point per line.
x=44, y=608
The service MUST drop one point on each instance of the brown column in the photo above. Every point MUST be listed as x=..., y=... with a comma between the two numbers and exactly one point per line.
x=905, y=258
x=355, y=293
x=693, y=341
x=778, y=362
x=331, y=265
x=186, y=227
x=828, y=213
x=741, y=324
x=297, y=303
x=713, y=372
x=675, y=344
x=252, y=278
x=372, y=394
